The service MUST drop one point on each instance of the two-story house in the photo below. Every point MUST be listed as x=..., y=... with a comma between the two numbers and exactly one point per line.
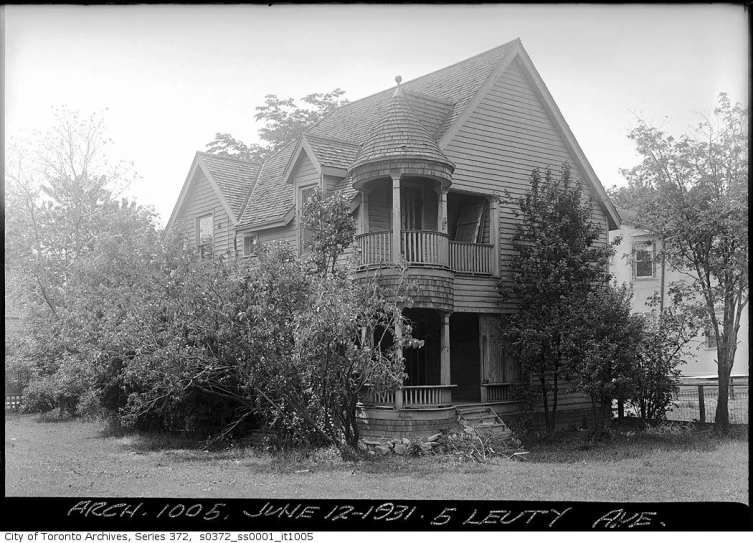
x=421, y=164
x=636, y=263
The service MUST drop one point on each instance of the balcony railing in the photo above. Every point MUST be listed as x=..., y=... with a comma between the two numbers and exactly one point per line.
x=374, y=247
x=413, y=396
x=471, y=257
x=427, y=248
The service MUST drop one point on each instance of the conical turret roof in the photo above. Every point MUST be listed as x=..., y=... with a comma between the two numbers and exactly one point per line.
x=400, y=135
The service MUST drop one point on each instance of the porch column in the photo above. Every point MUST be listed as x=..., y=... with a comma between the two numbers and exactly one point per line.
x=365, y=211
x=444, y=338
x=396, y=218
x=494, y=234
x=399, y=353
x=442, y=212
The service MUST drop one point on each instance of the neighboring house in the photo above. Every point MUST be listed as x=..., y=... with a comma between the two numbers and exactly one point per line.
x=421, y=164
x=636, y=263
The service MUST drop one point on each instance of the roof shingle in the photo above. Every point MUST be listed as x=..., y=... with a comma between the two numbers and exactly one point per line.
x=234, y=177
x=333, y=153
x=456, y=84
x=399, y=133
x=272, y=197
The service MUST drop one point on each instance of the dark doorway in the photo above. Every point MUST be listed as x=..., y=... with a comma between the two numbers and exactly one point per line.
x=423, y=365
x=465, y=358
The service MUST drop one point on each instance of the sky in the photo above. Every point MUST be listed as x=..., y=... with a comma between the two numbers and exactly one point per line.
x=173, y=76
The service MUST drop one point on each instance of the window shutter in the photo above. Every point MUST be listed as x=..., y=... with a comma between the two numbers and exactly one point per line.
x=469, y=222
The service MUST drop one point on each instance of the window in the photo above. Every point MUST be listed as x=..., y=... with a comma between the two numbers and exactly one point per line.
x=305, y=235
x=468, y=227
x=205, y=235
x=250, y=245
x=643, y=259
x=710, y=338
x=650, y=317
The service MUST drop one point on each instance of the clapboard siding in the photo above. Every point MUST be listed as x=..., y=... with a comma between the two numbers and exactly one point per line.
x=203, y=200
x=380, y=207
x=305, y=172
x=286, y=234
x=330, y=182
x=506, y=136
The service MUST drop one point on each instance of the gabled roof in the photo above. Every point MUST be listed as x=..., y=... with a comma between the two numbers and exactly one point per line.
x=400, y=134
x=440, y=102
x=232, y=180
x=235, y=178
x=271, y=198
x=331, y=152
x=456, y=84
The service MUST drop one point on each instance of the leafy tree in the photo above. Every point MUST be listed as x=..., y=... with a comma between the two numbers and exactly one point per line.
x=283, y=345
x=693, y=192
x=332, y=229
x=74, y=251
x=602, y=344
x=59, y=187
x=558, y=262
x=227, y=145
x=663, y=349
x=284, y=121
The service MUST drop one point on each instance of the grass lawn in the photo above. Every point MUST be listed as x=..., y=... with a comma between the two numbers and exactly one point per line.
x=73, y=458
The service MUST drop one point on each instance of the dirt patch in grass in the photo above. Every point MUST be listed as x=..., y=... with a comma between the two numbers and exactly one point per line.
x=73, y=458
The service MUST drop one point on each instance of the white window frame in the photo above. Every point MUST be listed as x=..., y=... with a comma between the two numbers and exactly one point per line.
x=644, y=246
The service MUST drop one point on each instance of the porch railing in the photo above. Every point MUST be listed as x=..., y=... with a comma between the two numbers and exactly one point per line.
x=427, y=395
x=425, y=247
x=413, y=396
x=496, y=392
x=374, y=247
x=371, y=397
x=471, y=257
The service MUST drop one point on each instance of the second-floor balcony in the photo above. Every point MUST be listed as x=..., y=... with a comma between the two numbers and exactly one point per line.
x=426, y=248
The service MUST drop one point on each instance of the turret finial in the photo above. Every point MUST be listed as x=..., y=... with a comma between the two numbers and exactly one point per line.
x=398, y=79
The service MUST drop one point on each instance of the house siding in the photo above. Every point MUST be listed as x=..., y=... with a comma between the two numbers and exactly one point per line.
x=380, y=204
x=203, y=200
x=508, y=135
x=305, y=172
x=700, y=360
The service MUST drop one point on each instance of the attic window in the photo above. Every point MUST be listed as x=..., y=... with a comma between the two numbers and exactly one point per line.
x=205, y=235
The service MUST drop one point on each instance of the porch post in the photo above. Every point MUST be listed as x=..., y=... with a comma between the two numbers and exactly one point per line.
x=494, y=234
x=364, y=211
x=398, y=336
x=396, y=235
x=442, y=212
x=444, y=338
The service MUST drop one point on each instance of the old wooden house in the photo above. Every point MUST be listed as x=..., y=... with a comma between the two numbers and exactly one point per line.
x=421, y=163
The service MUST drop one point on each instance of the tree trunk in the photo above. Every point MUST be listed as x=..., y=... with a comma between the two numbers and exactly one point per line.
x=721, y=420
